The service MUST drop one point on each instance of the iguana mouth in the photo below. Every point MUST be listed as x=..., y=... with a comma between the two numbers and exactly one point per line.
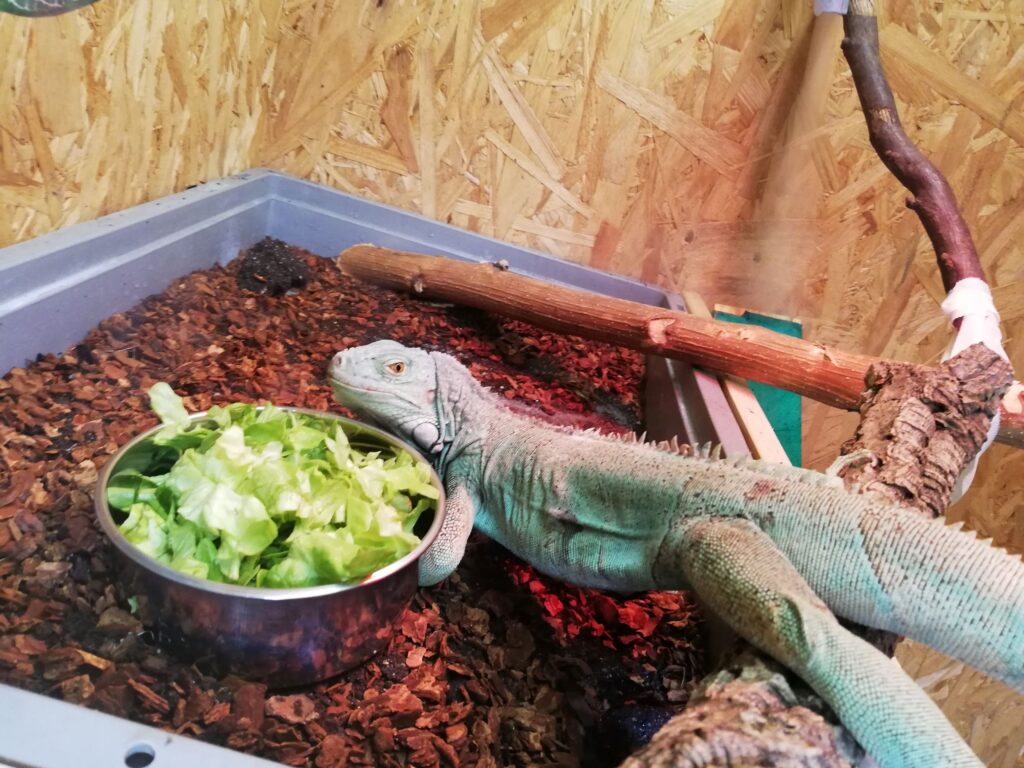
x=339, y=383
x=340, y=388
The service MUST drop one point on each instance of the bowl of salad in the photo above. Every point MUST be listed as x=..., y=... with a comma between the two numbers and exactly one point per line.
x=275, y=543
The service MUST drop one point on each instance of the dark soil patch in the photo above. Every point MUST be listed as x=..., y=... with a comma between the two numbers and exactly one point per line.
x=271, y=267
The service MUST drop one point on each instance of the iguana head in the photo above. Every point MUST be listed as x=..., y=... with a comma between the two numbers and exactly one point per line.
x=395, y=386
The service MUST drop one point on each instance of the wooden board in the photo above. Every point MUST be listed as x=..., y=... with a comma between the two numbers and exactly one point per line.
x=764, y=443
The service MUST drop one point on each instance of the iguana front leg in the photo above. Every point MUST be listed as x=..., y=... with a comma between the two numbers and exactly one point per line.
x=743, y=577
x=445, y=554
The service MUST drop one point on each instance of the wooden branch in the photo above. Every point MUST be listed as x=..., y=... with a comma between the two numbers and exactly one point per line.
x=750, y=712
x=817, y=371
x=933, y=200
x=920, y=429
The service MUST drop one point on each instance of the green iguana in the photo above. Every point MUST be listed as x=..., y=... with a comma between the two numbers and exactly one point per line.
x=778, y=552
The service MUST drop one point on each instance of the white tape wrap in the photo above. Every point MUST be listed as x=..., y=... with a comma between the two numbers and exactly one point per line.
x=830, y=6
x=970, y=301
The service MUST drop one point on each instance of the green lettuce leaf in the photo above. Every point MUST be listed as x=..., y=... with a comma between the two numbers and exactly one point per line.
x=167, y=405
x=268, y=497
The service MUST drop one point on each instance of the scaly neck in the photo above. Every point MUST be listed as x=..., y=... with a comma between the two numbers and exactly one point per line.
x=465, y=409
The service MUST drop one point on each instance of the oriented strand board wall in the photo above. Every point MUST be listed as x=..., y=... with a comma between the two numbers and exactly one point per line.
x=659, y=138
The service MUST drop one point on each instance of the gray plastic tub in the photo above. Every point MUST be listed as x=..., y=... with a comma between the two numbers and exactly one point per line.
x=55, y=288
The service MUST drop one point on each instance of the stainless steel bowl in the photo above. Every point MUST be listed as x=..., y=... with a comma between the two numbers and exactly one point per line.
x=283, y=637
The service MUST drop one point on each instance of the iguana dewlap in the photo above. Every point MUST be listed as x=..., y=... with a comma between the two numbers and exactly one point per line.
x=776, y=551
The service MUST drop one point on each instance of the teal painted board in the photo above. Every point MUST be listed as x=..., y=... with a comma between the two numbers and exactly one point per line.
x=780, y=406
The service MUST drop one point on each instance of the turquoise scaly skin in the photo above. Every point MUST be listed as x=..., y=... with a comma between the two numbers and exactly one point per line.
x=778, y=552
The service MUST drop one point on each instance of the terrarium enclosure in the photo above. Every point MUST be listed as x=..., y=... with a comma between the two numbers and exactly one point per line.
x=714, y=151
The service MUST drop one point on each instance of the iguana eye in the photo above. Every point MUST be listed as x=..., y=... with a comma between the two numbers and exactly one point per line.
x=396, y=367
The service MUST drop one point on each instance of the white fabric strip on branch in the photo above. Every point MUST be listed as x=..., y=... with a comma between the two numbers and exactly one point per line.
x=970, y=302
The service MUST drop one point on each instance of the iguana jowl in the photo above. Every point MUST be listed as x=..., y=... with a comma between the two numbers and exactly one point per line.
x=778, y=552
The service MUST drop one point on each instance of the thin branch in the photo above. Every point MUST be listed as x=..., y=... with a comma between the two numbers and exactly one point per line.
x=933, y=200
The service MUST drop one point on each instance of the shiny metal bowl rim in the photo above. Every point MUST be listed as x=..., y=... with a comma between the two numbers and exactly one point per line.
x=139, y=557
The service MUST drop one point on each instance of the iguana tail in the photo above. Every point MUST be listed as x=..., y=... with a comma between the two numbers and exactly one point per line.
x=741, y=575
x=888, y=567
